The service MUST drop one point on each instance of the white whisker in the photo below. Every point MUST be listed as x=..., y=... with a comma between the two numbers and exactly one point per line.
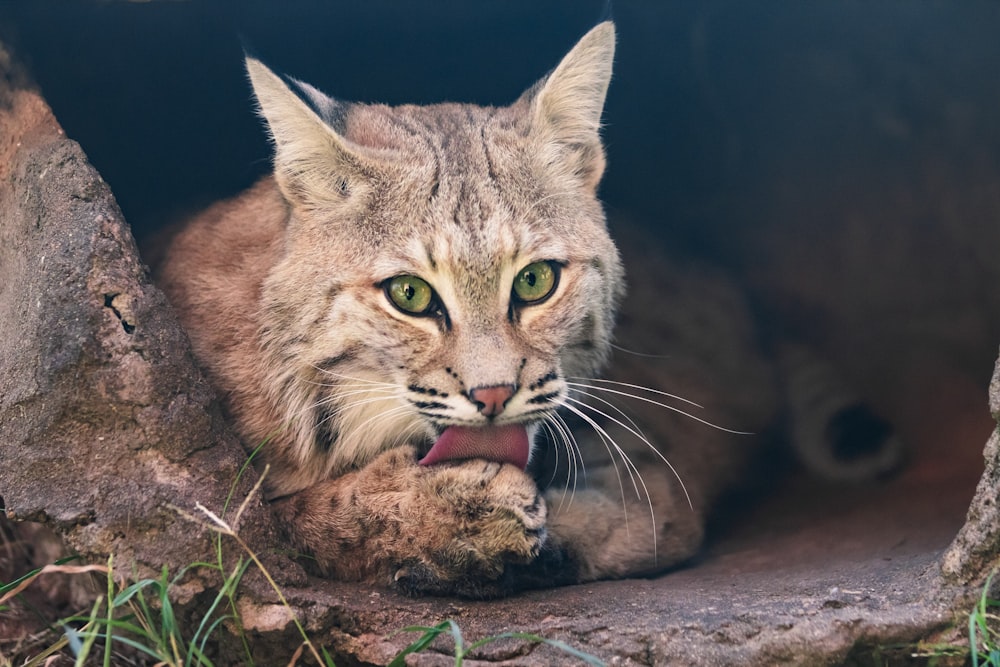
x=381, y=415
x=572, y=452
x=629, y=465
x=573, y=447
x=633, y=471
x=634, y=386
x=338, y=385
x=357, y=404
x=665, y=406
x=411, y=430
x=365, y=381
x=338, y=396
x=612, y=406
x=640, y=354
x=643, y=439
x=561, y=434
x=555, y=467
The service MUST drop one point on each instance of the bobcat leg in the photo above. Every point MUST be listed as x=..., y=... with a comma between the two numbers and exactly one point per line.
x=612, y=530
x=443, y=529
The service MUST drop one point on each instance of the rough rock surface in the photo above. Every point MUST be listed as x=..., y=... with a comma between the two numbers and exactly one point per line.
x=105, y=425
x=976, y=549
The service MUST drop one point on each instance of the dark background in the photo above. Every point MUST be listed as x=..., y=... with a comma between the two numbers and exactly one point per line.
x=714, y=104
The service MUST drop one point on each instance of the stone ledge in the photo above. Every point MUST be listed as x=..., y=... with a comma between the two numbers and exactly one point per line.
x=104, y=420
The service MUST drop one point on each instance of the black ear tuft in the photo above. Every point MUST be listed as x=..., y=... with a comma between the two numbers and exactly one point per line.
x=298, y=87
x=331, y=110
x=607, y=14
x=248, y=49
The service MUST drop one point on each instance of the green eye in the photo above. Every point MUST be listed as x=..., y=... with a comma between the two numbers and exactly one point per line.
x=410, y=294
x=536, y=281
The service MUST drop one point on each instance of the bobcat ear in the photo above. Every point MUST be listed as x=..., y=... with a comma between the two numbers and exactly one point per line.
x=567, y=104
x=315, y=167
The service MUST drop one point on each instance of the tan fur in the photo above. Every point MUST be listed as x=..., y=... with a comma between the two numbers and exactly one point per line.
x=434, y=529
x=281, y=292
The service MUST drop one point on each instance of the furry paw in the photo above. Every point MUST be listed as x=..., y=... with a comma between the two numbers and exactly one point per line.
x=456, y=528
x=469, y=523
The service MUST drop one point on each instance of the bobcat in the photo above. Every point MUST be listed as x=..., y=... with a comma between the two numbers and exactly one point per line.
x=413, y=313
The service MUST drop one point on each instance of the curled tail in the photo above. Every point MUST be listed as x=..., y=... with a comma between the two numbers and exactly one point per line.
x=833, y=432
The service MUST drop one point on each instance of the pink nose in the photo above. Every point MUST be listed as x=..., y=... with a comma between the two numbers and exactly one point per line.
x=491, y=400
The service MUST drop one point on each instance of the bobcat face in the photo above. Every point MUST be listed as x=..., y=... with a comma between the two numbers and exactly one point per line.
x=446, y=268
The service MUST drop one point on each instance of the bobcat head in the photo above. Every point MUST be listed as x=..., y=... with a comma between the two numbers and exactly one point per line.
x=445, y=268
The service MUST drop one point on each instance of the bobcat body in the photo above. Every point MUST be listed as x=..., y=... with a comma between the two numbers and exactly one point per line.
x=413, y=314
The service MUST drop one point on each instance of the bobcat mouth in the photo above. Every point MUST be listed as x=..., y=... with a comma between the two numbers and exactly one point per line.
x=503, y=444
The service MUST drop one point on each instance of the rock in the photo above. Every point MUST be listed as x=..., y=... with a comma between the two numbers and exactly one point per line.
x=975, y=553
x=105, y=423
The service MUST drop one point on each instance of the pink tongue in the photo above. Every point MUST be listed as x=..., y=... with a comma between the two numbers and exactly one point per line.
x=503, y=444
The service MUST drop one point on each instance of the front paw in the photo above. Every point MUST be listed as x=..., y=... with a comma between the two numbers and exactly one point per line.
x=470, y=523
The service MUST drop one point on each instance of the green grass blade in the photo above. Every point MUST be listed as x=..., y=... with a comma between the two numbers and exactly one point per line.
x=41, y=659
x=14, y=584
x=566, y=648
x=168, y=625
x=225, y=593
x=88, y=642
x=456, y=634
x=202, y=563
x=538, y=639
x=68, y=559
x=240, y=472
x=202, y=659
x=973, y=644
x=227, y=588
x=110, y=611
x=74, y=641
x=143, y=648
x=131, y=590
x=145, y=617
x=461, y=652
x=235, y=615
x=114, y=624
x=177, y=577
x=208, y=633
x=429, y=635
